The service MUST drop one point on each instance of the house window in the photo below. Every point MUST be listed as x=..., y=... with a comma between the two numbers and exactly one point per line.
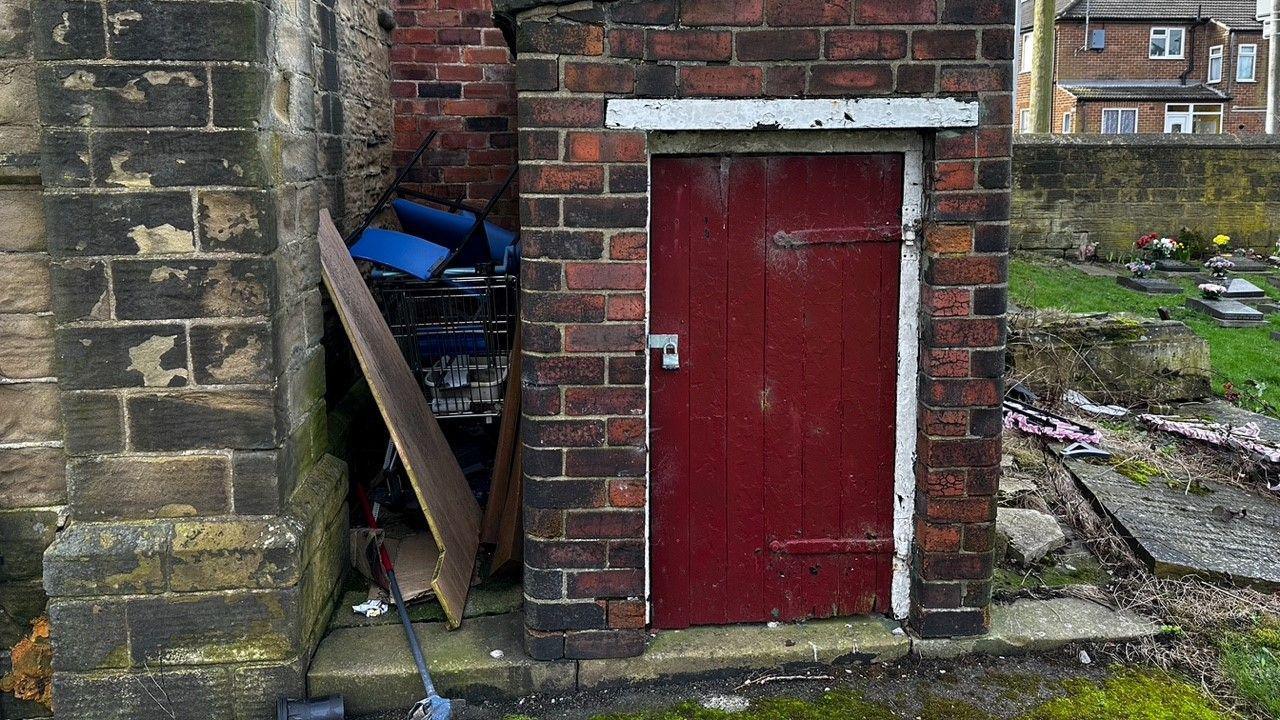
x=1215, y=64
x=1166, y=43
x=1120, y=121
x=1198, y=119
x=1068, y=122
x=1024, y=62
x=1247, y=63
x=1024, y=121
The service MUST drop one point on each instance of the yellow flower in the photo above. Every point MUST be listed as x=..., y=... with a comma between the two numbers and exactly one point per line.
x=1221, y=240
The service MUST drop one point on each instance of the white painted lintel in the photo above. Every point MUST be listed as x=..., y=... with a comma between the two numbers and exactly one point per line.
x=784, y=114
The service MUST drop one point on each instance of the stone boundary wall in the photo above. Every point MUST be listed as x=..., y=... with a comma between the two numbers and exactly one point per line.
x=1114, y=189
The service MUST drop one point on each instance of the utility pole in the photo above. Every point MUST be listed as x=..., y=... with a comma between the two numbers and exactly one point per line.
x=1273, y=69
x=1042, y=67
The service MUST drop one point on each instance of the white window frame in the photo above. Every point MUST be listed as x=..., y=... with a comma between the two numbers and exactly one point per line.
x=1192, y=113
x=1024, y=120
x=1068, y=122
x=1253, y=53
x=1028, y=47
x=1168, y=33
x=1119, y=121
x=1216, y=60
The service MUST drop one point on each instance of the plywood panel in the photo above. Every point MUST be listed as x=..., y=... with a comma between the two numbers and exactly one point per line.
x=447, y=502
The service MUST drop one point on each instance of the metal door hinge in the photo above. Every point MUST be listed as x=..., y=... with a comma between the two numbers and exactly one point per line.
x=670, y=347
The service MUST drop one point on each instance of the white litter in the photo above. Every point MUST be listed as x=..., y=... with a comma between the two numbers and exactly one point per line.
x=726, y=703
x=773, y=624
x=899, y=631
x=1079, y=400
x=496, y=654
x=1084, y=658
x=370, y=608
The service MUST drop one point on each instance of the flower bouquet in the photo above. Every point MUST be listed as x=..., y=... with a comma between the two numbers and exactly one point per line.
x=1139, y=268
x=1164, y=248
x=1219, y=267
x=1211, y=291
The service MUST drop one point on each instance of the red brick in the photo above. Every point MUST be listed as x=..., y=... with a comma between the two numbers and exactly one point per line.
x=784, y=81
x=554, y=370
x=606, y=583
x=938, y=538
x=624, y=307
x=971, y=206
x=984, y=332
x=960, y=453
x=561, y=38
x=978, y=12
x=606, y=524
x=561, y=112
x=979, y=539
x=629, y=246
x=916, y=79
x=896, y=12
x=626, y=431
x=563, y=433
x=722, y=12
x=561, y=178
x=866, y=44
x=599, y=77
x=606, y=147
x=757, y=45
x=604, y=400
x=605, y=276
x=557, y=554
x=721, y=81
x=627, y=493
x=604, y=462
x=627, y=370
x=947, y=423
x=943, y=483
x=946, y=239
x=947, y=363
x=626, y=43
x=613, y=337
x=626, y=614
x=808, y=12
x=626, y=553
x=961, y=510
x=948, y=302
x=964, y=79
x=963, y=393
x=944, y=44
x=564, y=307
x=835, y=79
x=706, y=45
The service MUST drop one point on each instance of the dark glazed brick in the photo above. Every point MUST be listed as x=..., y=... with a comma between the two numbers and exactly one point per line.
x=944, y=624
x=643, y=12
x=124, y=95
x=68, y=29
x=157, y=29
x=544, y=646
x=564, y=616
x=604, y=644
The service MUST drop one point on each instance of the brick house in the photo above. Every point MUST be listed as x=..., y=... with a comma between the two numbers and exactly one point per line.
x=1126, y=66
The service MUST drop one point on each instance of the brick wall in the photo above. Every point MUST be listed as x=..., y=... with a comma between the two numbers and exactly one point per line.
x=452, y=72
x=33, y=485
x=1117, y=188
x=583, y=214
x=186, y=148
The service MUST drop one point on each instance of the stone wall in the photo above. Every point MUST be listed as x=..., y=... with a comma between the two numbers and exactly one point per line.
x=1116, y=189
x=32, y=465
x=186, y=147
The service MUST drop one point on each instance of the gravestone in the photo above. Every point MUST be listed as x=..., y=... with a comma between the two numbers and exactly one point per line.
x=1151, y=286
x=1249, y=265
x=1227, y=313
x=1170, y=265
x=1274, y=280
x=1241, y=289
x=1268, y=308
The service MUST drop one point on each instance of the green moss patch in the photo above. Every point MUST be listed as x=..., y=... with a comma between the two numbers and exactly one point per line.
x=1129, y=695
x=1252, y=661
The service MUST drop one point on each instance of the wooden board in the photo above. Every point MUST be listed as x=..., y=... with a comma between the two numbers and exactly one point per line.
x=451, y=510
x=773, y=444
x=508, y=439
x=507, y=551
x=1227, y=533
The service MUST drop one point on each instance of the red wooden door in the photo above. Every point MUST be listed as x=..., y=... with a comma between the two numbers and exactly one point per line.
x=773, y=443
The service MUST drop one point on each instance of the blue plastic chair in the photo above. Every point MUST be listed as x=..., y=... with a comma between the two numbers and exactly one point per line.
x=451, y=230
x=407, y=253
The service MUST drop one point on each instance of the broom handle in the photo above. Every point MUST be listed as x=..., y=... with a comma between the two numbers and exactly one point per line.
x=414, y=646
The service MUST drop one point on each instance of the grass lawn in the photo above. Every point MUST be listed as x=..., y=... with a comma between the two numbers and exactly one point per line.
x=1246, y=357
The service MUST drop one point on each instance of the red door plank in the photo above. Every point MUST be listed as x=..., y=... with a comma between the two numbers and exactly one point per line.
x=772, y=446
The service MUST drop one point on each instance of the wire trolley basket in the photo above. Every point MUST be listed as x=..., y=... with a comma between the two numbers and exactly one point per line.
x=456, y=333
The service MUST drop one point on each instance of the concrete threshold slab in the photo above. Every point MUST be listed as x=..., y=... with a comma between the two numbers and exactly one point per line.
x=372, y=668
x=1029, y=626
x=708, y=650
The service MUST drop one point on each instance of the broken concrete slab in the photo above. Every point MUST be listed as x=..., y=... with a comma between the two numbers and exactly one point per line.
x=1224, y=533
x=1030, y=534
x=1014, y=483
x=1029, y=626
x=372, y=669
x=1228, y=313
x=700, y=651
x=1149, y=285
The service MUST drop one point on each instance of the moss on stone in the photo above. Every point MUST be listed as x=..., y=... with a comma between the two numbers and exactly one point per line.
x=1252, y=661
x=1129, y=695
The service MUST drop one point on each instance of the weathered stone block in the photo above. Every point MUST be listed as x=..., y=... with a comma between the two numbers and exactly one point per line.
x=93, y=423
x=155, y=30
x=148, y=486
x=21, y=219
x=231, y=554
x=124, y=95
x=24, y=283
x=237, y=222
x=20, y=603
x=93, y=358
x=196, y=419
x=154, y=289
x=256, y=688
x=89, y=634
x=15, y=38
x=239, y=96
x=18, y=93
x=169, y=158
x=255, y=483
x=302, y=387
x=68, y=29
x=64, y=159
x=90, y=559
x=82, y=290
x=159, y=693
x=218, y=628
x=28, y=413
x=24, y=534
x=26, y=347
x=32, y=477
x=120, y=224
x=232, y=354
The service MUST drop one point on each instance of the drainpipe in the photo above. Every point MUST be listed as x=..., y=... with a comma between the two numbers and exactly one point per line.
x=1042, y=67
x=1199, y=24
x=1273, y=69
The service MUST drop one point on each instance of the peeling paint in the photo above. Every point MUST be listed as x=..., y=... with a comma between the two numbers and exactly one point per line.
x=162, y=239
x=164, y=273
x=127, y=178
x=120, y=21
x=145, y=359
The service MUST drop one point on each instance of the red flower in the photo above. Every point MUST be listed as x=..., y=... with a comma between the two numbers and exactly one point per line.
x=1145, y=241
